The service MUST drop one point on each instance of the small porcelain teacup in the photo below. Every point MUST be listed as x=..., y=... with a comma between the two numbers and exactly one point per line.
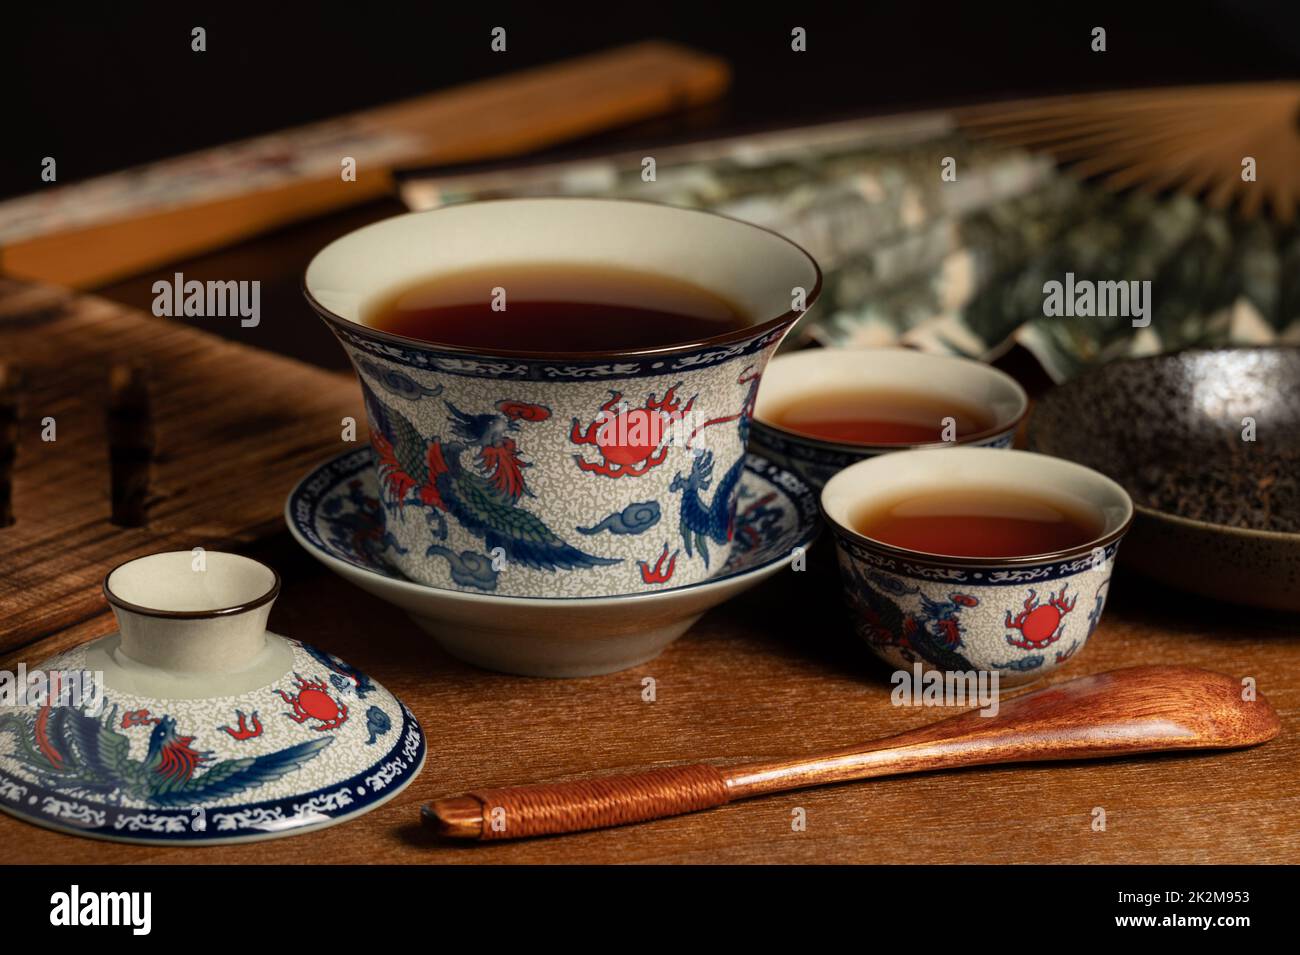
x=583, y=474
x=1022, y=616
x=799, y=375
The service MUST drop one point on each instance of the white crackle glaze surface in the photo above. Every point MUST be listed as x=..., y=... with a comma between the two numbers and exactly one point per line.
x=357, y=770
x=422, y=382
x=562, y=495
x=1022, y=618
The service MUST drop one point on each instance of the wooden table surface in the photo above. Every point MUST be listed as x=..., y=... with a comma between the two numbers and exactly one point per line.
x=778, y=672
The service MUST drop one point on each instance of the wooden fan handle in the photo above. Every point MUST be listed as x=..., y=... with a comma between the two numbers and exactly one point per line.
x=517, y=812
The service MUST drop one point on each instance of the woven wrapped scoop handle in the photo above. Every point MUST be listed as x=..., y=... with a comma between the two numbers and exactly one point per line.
x=517, y=812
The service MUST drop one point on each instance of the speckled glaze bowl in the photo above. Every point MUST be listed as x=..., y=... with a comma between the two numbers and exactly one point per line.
x=1216, y=515
x=194, y=725
x=820, y=370
x=1022, y=617
x=561, y=475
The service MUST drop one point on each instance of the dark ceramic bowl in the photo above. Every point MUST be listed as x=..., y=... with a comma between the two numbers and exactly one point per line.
x=1217, y=514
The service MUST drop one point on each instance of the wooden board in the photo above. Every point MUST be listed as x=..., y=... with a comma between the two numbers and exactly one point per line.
x=235, y=429
x=91, y=232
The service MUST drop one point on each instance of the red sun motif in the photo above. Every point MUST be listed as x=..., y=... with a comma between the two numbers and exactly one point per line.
x=313, y=702
x=631, y=441
x=1039, y=624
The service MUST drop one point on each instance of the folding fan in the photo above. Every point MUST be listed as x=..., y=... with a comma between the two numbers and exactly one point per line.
x=1196, y=140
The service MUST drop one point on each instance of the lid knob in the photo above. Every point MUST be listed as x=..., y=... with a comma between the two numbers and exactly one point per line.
x=192, y=611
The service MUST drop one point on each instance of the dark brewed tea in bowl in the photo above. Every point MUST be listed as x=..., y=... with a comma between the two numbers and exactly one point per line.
x=555, y=306
x=559, y=391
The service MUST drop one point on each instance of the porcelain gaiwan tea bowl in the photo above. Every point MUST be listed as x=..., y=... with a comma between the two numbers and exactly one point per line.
x=947, y=383
x=195, y=725
x=567, y=474
x=1021, y=616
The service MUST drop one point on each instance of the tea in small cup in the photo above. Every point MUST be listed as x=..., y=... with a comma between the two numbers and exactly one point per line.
x=823, y=409
x=976, y=559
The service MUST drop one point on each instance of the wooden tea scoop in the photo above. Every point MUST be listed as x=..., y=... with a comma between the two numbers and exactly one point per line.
x=1134, y=710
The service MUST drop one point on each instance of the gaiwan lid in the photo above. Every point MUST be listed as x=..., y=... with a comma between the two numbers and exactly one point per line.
x=196, y=725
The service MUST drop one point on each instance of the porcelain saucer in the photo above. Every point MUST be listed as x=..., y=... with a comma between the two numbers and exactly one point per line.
x=335, y=514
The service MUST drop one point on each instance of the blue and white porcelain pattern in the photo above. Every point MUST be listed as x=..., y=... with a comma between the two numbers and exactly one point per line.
x=1022, y=622
x=1020, y=617
x=489, y=484
x=335, y=513
x=320, y=745
x=493, y=464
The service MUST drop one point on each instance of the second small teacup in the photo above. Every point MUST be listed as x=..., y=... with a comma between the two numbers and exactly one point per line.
x=857, y=403
x=1021, y=616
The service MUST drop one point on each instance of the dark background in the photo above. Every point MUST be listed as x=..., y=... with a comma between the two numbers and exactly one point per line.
x=111, y=87
x=103, y=89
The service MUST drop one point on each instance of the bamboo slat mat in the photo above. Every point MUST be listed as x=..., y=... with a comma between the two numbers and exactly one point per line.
x=235, y=428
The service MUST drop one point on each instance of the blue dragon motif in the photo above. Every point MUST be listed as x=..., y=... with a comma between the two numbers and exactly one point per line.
x=344, y=675
x=701, y=523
